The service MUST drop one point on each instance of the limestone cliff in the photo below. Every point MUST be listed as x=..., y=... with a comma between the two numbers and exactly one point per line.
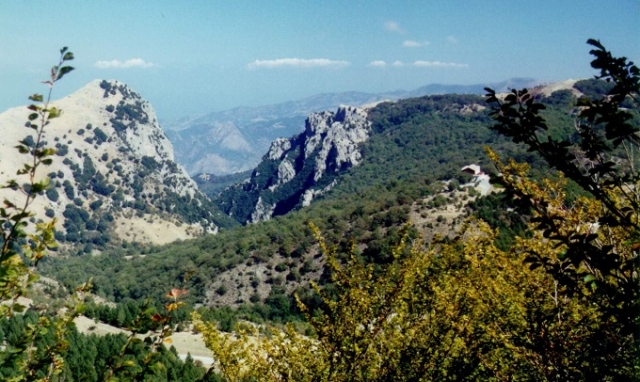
x=296, y=170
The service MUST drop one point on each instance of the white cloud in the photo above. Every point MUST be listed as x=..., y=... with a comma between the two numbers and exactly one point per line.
x=298, y=63
x=117, y=64
x=452, y=39
x=439, y=64
x=418, y=64
x=378, y=64
x=393, y=26
x=414, y=44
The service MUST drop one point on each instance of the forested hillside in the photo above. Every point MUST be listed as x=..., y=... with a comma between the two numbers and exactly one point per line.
x=561, y=303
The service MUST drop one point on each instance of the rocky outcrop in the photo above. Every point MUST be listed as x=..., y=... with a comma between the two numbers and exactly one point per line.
x=338, y=137
x=310, y=194
x=296, y=170
x=261, y=212
x=278, y=148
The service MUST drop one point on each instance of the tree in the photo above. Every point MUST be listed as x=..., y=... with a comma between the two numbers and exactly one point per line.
x=599, y=236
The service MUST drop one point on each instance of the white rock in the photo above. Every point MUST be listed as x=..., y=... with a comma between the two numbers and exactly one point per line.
x=262, y=212
x=279, y=148
x=339, y=134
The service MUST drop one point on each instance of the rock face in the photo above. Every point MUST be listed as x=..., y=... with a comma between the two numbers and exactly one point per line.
x=113, y=171
x=296, y=170
x=337, y=137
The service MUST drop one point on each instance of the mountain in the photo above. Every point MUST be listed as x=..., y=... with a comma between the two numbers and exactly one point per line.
x=297, y=169
x=113, y=178
x=234, y=140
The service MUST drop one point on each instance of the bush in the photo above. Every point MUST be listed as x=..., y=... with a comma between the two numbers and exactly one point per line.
x=95, y=205
x=222, y=290
x=52, y=194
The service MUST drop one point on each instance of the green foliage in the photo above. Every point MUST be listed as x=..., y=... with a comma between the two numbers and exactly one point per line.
x=562, y=98
x=127, y=115
x=88, y=357
x=458, y=311
x=593, y=88
x=502, y=213
x=61, y=150
x=599, y=235
x=99, y=135
x=52, y=194
x=68, y=190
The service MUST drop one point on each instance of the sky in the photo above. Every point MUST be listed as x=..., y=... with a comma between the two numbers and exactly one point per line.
x=197, y=56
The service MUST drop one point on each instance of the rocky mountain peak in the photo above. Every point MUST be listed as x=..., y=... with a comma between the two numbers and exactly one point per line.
x=296, y=170
x=113, y=177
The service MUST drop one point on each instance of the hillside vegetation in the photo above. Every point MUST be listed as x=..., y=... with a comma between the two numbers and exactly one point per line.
x=415, y=145
x=113, y=180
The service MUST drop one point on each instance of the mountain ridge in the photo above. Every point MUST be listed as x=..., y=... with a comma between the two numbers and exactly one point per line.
x=254, y=128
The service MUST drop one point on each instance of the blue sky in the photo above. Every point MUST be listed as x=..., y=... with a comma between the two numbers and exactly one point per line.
x=192, y=57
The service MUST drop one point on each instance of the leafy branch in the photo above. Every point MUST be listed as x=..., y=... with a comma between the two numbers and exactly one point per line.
x=15, y=275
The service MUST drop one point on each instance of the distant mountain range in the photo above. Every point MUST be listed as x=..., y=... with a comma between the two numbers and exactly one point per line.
x=235, y=140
